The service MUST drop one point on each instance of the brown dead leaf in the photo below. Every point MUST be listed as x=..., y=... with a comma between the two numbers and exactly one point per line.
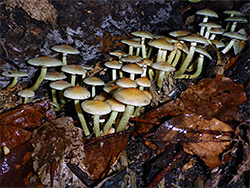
x=13, y=136
x=40, y=10
x=27, y=115
x=102, y=154
x=193, y=132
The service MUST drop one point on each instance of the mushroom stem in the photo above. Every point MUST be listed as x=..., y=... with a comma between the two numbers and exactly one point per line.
x=143, y=47
x=64, y=59
x=229, y=46
x=130, y=50
x=233, y=26
x=177, y=57
x=25, y=100
x=110, y=121
x=138, y=51
x=150, y=51
x=13, y=83
x=39, y=79
x=113, y=74
x=205, y=19
x=125, y=118
x=53, y=94
x=61, y=97
x=96, y=128
x=160, y=79
x=132, y=76
x=187, y=60
x=73, y=80
x=81, y=117
x=93, y=91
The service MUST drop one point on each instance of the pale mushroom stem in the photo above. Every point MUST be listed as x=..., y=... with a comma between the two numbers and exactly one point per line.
x=143, y=48
x=159, y=55
x=138, y=51
x=13, y=83
x=160, y=79
x=131, y=50
x=96, y=128
x=64, y=59
x=81, y=117
x=171, y=56
x=53, y=93
x=113, y=74
x=39, y=79
x=164, y=55
x=177, y=58
x=233, y=26
x=110, y=121
x=150, y=51
x=125, y=118
x=212, y=37
x=93, y=91
x=132, y=76
x=73, y=80
x=229, y=46
x=205, y=19
x=62, y=99
x=25, y=100
x=187, y=60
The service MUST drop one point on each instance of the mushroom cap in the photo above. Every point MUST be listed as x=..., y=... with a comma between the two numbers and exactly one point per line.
x=96, y=107
x=132, y=68
x=236, y=19
x=110, y=88
x=66, y=49
x=53, y=76
x=59, y=85
x=207, y=12
x=131, y=42
x=116, y=105
x=210, y=25
x=217, y=31
x=131, y=96
x=234, y=35
x=163, y=66
x=179, y=33
x=194, y=38
x=168, y=39
x=14, y=73
x=113, y=64
x=86, y=67
x=218, y=43
x=143, y=81
x=182, y=46
x=232, y=12
x=76, y=92
x=131, y=59
x=94, y=81
x=148, y=94
x=45, y=61
x=74, y=69
x=26, y=93
x=126, y=83
x=118, y=53
x=203, y=51
x=102, y=96
x=161, y=44
x=143, y=34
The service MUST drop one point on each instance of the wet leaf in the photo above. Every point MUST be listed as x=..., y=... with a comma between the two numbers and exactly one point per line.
x=13, y=136
x=28, y=115
x=217, y=97
x=102, y=154
x=198, y=136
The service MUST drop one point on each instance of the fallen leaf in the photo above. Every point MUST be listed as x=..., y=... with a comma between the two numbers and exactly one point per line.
x=13, y=136
x=28, y=115
x=196, y=134
x=102, y=154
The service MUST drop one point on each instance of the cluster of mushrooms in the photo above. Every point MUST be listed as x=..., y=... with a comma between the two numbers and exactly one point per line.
x=150, y=59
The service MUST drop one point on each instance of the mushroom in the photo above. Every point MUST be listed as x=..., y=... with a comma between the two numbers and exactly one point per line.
x=143, y=82
x=239, y=44
x=143, y=35
x=206, y=13
x=138, y=108
x=54, y=76
x=93, y=81
x=232, y=13
x=15, y=75
x=114, y=65
x=125, y=83
x=59, y=85
x=163, y=67
x=132, y=44
x=209, y=26
x=234, y=36
x=116, y=107
x=132, y=69
x=144, y=63
x=43, y=62
x=78, y=93
x=235, y=20
x=96, y=108
x=74, y=70
x=26, y=93
x=130, y=97
x=65, y=49
x=194, y=39
x=215, y=31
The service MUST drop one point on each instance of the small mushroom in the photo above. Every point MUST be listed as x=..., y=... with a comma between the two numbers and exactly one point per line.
x=132, y=44
x=43, y=62
x=54, y=76
x=114, y=65
x=125, y=83
x=131, y=97
x=15, y=75
x=209, y=26
x=132, y=69
x=235, y=20
x=65, y=49
x=143, y=82
x=93, y=81
x=26, y=94
x=78, y=93
x=74, y=70
x=96, y=108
